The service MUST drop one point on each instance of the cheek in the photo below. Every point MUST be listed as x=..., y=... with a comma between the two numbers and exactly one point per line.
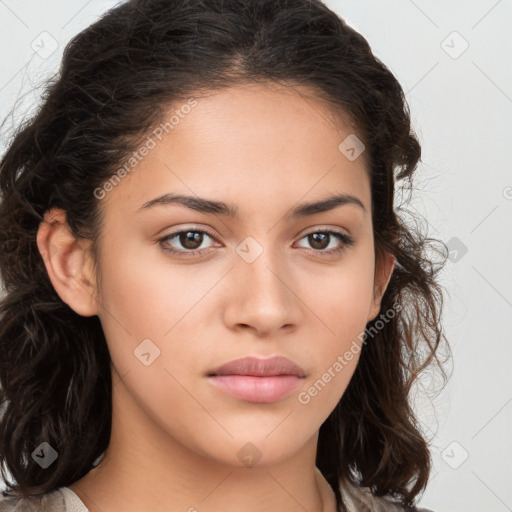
x=343, y=297
x=146, y=297
x=342, y=303
x=143, y=293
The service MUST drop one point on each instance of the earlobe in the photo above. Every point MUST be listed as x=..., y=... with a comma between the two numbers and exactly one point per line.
x=383, y=273
x=67, y=263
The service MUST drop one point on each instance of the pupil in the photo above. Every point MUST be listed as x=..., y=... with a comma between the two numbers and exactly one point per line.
x=315, y=237
x=189, y=239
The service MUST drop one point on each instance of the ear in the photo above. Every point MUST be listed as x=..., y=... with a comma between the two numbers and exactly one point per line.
x=384, y=266
x=68, y=263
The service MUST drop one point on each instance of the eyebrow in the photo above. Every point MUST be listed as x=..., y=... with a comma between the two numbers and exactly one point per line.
x=220, y=208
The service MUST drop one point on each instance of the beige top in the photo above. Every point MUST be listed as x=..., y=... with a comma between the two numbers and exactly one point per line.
x=60, y=500
x=65, y=500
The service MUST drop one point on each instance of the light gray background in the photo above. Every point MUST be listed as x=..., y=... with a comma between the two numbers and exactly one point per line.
x=461, y=104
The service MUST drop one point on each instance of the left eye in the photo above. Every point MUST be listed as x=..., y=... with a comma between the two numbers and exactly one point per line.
x=191, y=240
x=318, y=238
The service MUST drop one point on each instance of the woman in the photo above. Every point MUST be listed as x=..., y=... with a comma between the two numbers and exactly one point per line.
x=211, y=301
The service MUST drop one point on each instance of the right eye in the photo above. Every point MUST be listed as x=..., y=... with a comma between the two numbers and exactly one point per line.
x=190, y=239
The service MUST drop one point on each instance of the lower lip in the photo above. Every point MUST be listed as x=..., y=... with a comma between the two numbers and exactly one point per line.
x=256, y=389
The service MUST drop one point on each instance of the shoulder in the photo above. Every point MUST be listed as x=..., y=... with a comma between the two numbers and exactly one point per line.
x=59, y=500
x=360, y=499
x=53, y=501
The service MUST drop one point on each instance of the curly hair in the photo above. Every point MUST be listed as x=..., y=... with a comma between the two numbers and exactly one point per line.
x=116, y=79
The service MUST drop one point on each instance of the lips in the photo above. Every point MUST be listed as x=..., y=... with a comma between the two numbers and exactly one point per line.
x=258, y=380
x=258, y=367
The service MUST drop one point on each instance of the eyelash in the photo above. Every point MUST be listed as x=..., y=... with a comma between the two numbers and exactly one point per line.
x=342, y=237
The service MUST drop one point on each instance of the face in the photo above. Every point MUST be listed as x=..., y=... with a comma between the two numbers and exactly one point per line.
x=258, y=282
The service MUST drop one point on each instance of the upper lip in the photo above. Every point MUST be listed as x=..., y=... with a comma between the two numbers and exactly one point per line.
x=260, y=367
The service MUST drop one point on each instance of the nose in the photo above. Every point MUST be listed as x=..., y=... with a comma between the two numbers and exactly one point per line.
x=262, y=297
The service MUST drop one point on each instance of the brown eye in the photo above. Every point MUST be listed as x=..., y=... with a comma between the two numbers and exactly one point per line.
x=190, y=241
x=320, y=241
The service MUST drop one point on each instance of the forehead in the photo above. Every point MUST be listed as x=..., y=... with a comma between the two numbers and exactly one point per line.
x=248, y=144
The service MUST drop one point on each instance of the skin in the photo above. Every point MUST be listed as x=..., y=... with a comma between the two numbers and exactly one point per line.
x=175, y=438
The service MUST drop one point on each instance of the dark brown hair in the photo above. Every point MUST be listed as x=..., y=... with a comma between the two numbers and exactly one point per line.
x=115, y=83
